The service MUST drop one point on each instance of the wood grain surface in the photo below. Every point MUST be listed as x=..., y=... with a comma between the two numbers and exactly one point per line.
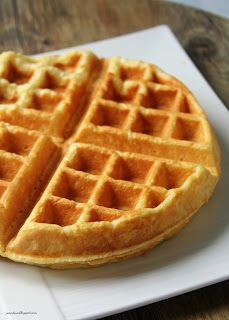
x=36, y=26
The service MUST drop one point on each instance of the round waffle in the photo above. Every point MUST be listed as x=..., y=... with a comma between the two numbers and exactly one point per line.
x=100, y=159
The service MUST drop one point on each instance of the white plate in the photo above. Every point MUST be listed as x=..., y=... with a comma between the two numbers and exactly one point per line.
x=197, y=257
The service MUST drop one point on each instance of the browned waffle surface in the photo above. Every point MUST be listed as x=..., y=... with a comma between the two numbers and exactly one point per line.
x=42, y=93
x=100, y=159
x=26, y=161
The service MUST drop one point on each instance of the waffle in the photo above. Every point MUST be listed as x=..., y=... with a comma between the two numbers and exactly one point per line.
x=100, y=159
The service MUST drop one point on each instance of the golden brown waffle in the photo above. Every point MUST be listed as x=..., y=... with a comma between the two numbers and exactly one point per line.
x=100, y=159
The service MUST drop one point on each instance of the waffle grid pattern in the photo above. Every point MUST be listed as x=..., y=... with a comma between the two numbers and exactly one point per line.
x=96, y=179
x=149, y=107
x=146, y=111
x=87, y=143
x=15, y=145
x=133, y=97
x=23, y=170
x=41, y=94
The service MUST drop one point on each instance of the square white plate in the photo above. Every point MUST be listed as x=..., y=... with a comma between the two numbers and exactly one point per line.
x=197, y=257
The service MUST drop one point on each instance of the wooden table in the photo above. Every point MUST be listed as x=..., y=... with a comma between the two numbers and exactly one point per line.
x=36, y=26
